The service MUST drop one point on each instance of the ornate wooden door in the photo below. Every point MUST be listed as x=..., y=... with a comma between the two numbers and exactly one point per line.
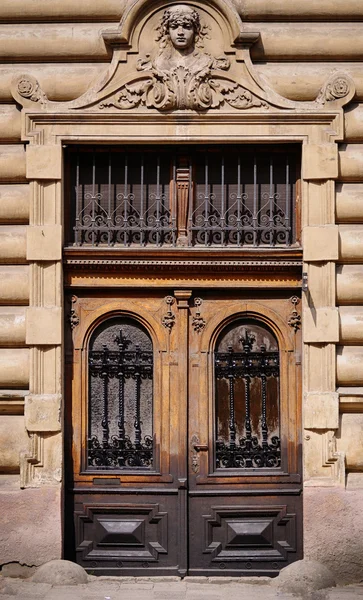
x=183, y=450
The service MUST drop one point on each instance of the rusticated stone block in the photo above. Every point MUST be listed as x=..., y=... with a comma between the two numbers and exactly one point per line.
x=12, y=163
x=350, y=284
x=321, y=243
x=44, y=326
x=12, y=244
x=321, y=325
x=44, y=162
x=351, y=162
x=351, y=243
x=350, y=365
x=14, y=368
x=350, y=440
x=12, y=326
x=351, y=324
x=43, y=412
x=321, y=410
x=320, y=161
x=44, y=243
x=13, y=440
x=349, y=203
x=14, y=203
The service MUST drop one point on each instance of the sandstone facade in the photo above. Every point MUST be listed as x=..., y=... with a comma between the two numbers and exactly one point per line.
x=61, y=46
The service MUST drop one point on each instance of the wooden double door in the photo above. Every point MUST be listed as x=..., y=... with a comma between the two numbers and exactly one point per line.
x=183, y=433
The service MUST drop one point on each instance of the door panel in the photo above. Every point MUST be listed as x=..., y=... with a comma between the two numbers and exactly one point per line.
x=246, y=519
x=164, y=386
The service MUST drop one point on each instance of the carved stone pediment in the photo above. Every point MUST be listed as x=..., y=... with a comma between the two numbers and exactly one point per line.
x=171, y=57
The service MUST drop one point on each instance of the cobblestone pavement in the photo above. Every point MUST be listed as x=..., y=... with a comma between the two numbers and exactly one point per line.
x=109, y=588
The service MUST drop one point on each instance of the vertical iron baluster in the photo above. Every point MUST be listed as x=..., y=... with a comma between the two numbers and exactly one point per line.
x=264, y=399
x=254, y=218
x=137, y=375
x=109, y=221
x=223, y=210
x=232, y=419
x=93, y=196
x=206, y=198
x=239, y=203
x=158, y=201
x=271, y=199
x=287, y=211
x=142, y=224
x=104, y=376
x=125, y=198
x=174, y=205
x=248, y=425
x=121, y=389
x=77, y=203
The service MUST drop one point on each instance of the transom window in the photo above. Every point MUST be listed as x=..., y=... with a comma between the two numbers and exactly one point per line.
x=168, y=196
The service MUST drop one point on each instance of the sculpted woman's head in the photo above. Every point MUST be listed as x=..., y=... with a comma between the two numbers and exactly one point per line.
x=181, y=24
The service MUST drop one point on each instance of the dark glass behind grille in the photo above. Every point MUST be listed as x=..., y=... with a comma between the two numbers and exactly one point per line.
x=120, y=369
x=246, y=369
x=122, y=197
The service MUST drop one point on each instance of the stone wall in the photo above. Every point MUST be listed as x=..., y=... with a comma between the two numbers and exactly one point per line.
x=59, y=42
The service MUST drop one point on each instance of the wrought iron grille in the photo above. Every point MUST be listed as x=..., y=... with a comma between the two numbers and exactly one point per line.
x=247, y=399
x=120, y=397
x=244, y=199
x=232, y=197
x=122, y=199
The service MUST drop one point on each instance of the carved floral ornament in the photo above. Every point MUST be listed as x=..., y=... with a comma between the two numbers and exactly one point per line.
x=177, y=64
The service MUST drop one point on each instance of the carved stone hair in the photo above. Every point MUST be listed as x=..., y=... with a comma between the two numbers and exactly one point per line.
x=180, y=12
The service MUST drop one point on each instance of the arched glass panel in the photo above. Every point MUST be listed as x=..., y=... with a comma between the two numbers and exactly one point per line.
x=120, y=367
x=247, y=397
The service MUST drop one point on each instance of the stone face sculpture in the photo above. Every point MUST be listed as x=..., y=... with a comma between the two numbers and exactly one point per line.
x=182, y=76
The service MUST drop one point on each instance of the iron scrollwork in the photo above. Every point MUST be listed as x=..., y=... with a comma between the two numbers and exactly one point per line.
x=119, y=451
x=248, y=451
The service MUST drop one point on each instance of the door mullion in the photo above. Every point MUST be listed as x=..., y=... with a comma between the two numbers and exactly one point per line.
x=182, y=298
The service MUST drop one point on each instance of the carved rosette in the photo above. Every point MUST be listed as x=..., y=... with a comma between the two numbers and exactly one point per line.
x=73, y=317
x=295, y=319
x=27, y=87
x=338, y=87
x=198, y=323
x=168, y=320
